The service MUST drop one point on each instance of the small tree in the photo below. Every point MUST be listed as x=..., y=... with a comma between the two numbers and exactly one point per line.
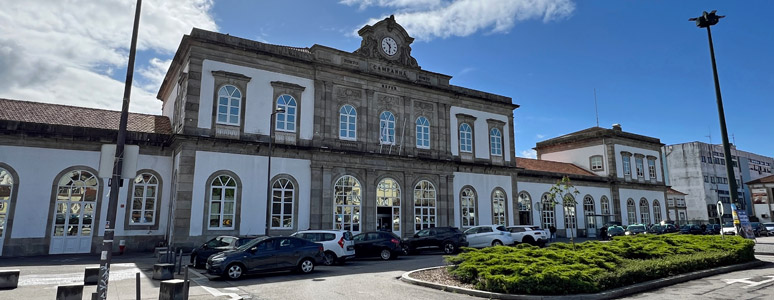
x=564, y=192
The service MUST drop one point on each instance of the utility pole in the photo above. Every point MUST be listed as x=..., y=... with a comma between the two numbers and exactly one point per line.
x=115, y=181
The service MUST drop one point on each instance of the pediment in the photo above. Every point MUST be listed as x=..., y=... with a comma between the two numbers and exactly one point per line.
x=388, y=41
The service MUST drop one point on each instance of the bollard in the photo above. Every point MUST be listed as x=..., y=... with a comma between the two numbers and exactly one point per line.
x=172, y=290
x=121, y=247
x=180, y=262
x=91, y=276
x=137, y=280
x=159, y=251
x=69, y=292
x=163, y=271
x=187, y=283
x=9, y=279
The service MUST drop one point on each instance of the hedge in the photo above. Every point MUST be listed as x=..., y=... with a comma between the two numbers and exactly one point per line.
x=594, y=266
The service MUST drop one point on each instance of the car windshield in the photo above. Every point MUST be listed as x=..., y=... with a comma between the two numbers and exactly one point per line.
x=614, y=228
x=768, y=224
x=252, y=243
x=636, y=227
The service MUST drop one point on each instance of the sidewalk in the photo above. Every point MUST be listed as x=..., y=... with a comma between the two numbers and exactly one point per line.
x=41, y=275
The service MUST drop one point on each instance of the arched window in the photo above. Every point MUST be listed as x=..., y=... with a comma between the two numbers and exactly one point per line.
x=283, y=196
x=525, y=209
x=6, y=192
x=387, y=128
x=498, y=208
x=347, y=194
x=588, y=209
x=548, y=213
x=631, y=213
x=656, y=212
x=496, y=142
x=229, y=103
x=644, y=211
x=347, y=123
x=144, y=199
x=423, y=133
x=286, y=120
x=569, y=214
x=388, y=204
x=76, y=200
x=223, y=199
x=468, y=203
x=605, y=205
x=424, y=205
x=466, y=138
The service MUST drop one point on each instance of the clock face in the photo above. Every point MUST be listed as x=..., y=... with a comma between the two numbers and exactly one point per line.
x=389, y=46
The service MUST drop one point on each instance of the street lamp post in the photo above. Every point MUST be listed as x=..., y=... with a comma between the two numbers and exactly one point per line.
x=705, y=21
x=268, y=167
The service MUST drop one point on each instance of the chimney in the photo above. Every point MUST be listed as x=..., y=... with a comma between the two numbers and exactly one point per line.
x=617, y=127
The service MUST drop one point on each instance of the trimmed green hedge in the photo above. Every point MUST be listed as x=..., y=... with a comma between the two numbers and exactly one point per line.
x=593, y=266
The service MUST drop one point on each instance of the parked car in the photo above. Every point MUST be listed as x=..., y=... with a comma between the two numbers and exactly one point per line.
x=657, y=229
x=759, y=229
x=337, y=244
x=691, y=229
x=529, y=234
x=200, y=254
x=267, y=254
x=728, y=228
x=448, y=239
x=615, y=231
x=635, y=229
x=769, y=227
x=488, y=235
x=713, y=229
x=385, y=245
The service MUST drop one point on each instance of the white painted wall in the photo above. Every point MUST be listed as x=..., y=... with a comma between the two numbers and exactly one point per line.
x=580, y=157
x=168, y=107
x=260, y=98
x=480, y=132
x=633, y=164
x=762, y=209
x=484, y=185
x=536, y=190
x=38, y=169
x=636, y=195
x=251, y=171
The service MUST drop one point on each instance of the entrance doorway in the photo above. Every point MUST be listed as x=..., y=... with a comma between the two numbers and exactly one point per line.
x=388, y=206
x=74, y=213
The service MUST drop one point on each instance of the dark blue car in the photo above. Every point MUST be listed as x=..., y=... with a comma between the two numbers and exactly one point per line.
x=267, y=254
x=200, y=254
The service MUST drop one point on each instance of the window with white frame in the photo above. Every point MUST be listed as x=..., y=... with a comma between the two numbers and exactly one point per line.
x=640, y=168
x=548, y=213
x=569, y=214
x=6, y=190
x=627, y=167
x=223, y=198
x=466, y=138
x=348, y=123
x=652, y=169
x=424, y=205
x=498, y=207
x=525, y=209
x=605, y=205
x=282, y=199
x=347, y=195
x=496, y=141
x=229, y=103
x=468, y=203
x=630, y=211
x=286, y=120
x=387, y=128
x=656, y=212
x=644, y=211
x=588, y=210
x=596, y=163
x=423, y=133
x=144, y=199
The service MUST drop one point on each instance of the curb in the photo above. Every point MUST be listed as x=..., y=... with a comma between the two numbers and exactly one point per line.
x=765, y=253
x=610, y=294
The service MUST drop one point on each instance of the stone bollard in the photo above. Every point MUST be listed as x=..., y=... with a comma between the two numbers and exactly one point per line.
x=159, y=250
x=163, y=271
x=172, y=290
x=69, y=292
x=9, y=279
x=91, y=276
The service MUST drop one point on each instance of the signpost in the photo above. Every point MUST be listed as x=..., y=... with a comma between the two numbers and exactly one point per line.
x=721, y=211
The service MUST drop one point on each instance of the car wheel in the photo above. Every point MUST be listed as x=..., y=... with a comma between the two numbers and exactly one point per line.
x=449, y=248
x=528, y=240
x=497, y=243
x=385, y=254
x=306, y=266
x=330, y=258
x=234, y=271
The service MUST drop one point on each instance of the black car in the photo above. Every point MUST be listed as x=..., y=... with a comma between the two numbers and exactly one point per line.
x=267, y=254
x=712, y=229
x=615, y=231
x=385, y=245
x=759, y=229
x=657, y=229
x=691, y=229
x=635, y=229
x=670, y=228
x=448, y=239
x=200, y=254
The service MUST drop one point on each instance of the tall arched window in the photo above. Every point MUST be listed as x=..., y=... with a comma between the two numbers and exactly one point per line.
x=605, y=205
x=223, y=199
x=466, y=138
x=347, y=194
x=282, y=199
x=76, y=201
x=548, y=213
x=656, y=212
x=423, y=133
x=468, y=203
x=387, y=128
x=144, y=199
x=286, y=120
x=630, y=211
x=525, y=209
x=6, y=190
x=588, y=209
x=424, y=205
x=388, y=204
x=496, y=142
x=229, y=102
x=569, y=214
x=347, y=123
x=644, y=211
x=498, y=207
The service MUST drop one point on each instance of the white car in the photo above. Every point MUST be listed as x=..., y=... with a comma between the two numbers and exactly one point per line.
x=529, y=234
x=488, y=235
x=728, y=229
x=338, y=245
x=769, y=227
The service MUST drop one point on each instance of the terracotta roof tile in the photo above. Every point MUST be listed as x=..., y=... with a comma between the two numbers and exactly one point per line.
x=767, y=179
x=552, y=166
x=57, y=114
x=674, y=191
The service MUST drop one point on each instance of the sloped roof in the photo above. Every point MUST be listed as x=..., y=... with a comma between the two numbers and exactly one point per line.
x=551, y=166
x=767, y=179
x=674, y=191
x=65, y=115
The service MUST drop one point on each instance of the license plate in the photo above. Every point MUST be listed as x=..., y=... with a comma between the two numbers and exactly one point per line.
x=350, y=248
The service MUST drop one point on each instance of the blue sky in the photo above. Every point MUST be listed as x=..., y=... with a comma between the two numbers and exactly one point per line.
x=649, y=65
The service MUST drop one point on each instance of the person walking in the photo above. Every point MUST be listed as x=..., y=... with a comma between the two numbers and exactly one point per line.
x=552, y=230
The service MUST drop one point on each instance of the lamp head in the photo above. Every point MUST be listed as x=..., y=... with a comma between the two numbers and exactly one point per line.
x=279, y=110
x=707, y=19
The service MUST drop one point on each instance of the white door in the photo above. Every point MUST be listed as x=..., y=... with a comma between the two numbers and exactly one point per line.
x=74, y=212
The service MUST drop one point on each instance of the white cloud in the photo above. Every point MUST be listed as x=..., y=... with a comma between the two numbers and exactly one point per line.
x=426, y=20
x=540, y=136
x=529, y=153
x=65, y=51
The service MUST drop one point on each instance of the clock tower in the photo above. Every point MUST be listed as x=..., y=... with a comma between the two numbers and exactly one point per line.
x=387, y=40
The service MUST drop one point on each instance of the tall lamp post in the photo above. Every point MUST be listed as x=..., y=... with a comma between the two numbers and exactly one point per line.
x=268, y=167
x=705, y=21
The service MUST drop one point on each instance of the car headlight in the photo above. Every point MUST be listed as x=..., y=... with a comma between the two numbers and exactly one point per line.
x=628, y=233
x=217, y=259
